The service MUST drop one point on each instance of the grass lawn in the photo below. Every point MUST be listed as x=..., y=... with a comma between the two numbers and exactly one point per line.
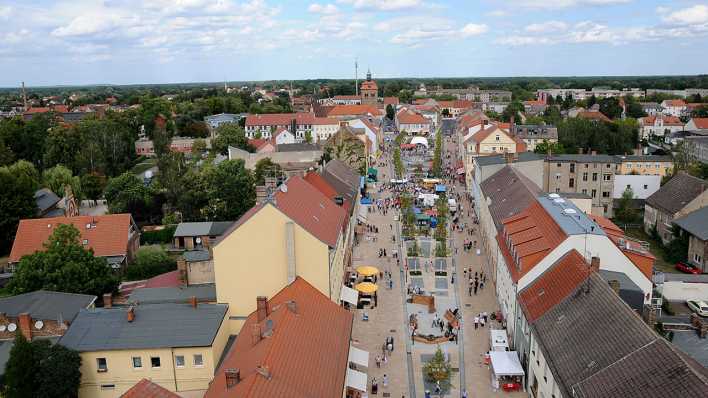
x=654, y=247
x=143, y=166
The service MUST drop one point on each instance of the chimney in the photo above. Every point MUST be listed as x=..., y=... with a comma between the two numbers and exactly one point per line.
x=615, y=285
x=255, y=333
x=580, y=151
x=290, y=251
x=193, y=301
x=509, y=157
x=511, y=125
x=261, y=308
x=107, y=300
x=264, y=371
x=595, y=263
x=292, y=306
x=593, y=153
x=131, y=314
x=25, y=322
x=233, y=377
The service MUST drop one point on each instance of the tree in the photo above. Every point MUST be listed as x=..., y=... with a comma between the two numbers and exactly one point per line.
x=231, y=191
x=63, y=146
x=266, y=168
x=230, y=134
x=171, y=168
x=611, y=108
x=677, y=249
x=198, y=148
x=19, y=182
x=20, y=369
x=390, y=112
x=127, y=194
x=438, y=370
x=59, y=177
x=701, y=111
x=513, y=109
x=308, y=136
x=684, y=156
x=625, y=212
x=149, y=262
x=64, y=266
x=38, y=369
x=92, y=185
x=544, y=147
x=6, y=154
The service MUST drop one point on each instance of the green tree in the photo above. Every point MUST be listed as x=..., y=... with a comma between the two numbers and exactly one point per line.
x=266, y=168
x=390, y=112
x=171, y=168
x=438, y=370
x=59, y=177
x=19, y=182
x=231, y=191
x=92, y=185
x=127, y=194
x=610, y=107
x=20, y=370
x=198, y=148
x=513, y=109
x=150, y=109
x=64, y=266
x=59, y=373
x=109, y=143
x=62, y=147
x=677, y=249
x=6, y=154
x=625, y=212
x=230, y=134
x=544, y=147
x=149, y=262
x=308, y=136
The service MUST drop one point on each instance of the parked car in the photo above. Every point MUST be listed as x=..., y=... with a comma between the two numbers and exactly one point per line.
x=687, y=268
x=698, y=306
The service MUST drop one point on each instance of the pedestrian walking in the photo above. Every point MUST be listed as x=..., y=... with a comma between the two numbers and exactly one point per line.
x=481, y=321
x=476, y=322
x=485, y=315
x=378, y=361
x=385, y=380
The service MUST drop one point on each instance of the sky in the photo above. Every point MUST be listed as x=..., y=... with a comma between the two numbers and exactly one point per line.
x=76, y=42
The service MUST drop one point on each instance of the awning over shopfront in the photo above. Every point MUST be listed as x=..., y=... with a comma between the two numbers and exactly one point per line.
x=366, y=287
x=506, y=363
x=356, y=380
x=367, y=270
x=349, y=295
x=498, y=340
x=362, y=215
x=358, y=356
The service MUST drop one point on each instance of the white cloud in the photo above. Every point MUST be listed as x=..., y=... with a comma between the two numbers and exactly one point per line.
x=5, y=12
x=522, y=40
x=558, y=4
x=497, y=13
x=549, y=26
x=322, y=9
x=695, y=15
x=472, y=29
x=382, y=5
x=92, y=23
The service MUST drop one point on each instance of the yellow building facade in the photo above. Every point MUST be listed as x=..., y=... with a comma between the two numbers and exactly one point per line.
x=646, y=166
x=264, y=254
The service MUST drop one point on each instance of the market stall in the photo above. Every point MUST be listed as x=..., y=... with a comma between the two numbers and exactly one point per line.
x=506, y=370
x=498, y=340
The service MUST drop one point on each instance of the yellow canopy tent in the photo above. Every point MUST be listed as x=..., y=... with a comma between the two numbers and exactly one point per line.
x=366, y=287
x=367, y=270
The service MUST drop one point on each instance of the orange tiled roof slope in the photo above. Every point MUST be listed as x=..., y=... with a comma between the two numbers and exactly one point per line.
x=346, y=110
x=323, y=186
x=701, y=122
x=593, y=115
x=554, y=285
x=407, y=116
x=634, y=251
x=532, y=234
x=108, y=235
x=147, y=389
x=668, y=120
x=306, y=355
x=279, y=119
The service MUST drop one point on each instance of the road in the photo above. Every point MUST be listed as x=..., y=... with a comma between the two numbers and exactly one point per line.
x=447, y=127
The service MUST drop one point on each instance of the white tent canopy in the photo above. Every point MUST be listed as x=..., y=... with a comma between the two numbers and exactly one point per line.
x=362, y=215
x=506, y=363
x=498, y=340
x=420, y=141
x=359, y=356
x=356, y=380
x=349, y=295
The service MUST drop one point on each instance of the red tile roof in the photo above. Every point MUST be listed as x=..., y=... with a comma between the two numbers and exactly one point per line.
x=147, y=389
x=346, y=97
x=554, y=285
x=667, y=119
x=369, y=85
x=318, y=182
x=312, y=210
x=325, y=120
x=674, y=102
x=346, y=110
x=258, y=143
x=407, y=116
x=279, y=119
x=306, y=355
x=532, y=234
x=168, y=279
x=38, y=110
x=640, y=257
x=108, y=235
x=61, y=108
x=701, y=122
x=391, y=101
x=593, y=115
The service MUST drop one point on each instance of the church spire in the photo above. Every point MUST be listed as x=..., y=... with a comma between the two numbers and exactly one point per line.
x=368, y=75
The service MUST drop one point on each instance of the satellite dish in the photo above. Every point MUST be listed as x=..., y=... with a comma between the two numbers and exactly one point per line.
x=39, y=325
x=3, y=328
x=569, y=211
x=148, y=174
x=559, y=200
x=11, y=327
x=554, y=196
x=284, y=188
x=199, y=240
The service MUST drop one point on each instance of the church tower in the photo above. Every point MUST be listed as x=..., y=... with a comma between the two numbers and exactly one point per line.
x=369, y=90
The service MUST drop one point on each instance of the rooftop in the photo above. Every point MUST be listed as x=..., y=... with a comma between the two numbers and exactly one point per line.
x=147, y=389
x=44, y=304
x=510, y=192
x=500, y=159
x=210, y=228
x=569, y=217
x=304, y=356
x=695, y=223
x=154, y=326
x=181, y=294
x=677, y=193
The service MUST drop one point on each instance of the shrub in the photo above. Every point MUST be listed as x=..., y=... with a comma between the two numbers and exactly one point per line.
x=149, y=262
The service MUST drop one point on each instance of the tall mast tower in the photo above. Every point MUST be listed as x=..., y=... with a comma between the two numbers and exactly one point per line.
x=356, y=76
x=24, y=97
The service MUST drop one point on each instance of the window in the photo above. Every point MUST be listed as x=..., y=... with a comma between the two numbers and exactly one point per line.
x=594, y=193
x=608, y=165
x=585, y=191
x=108, y=386
x=558, y=165
x=155, y=362
x=607, y=177
x=198, y=360
x=137, y=362
x=497, y=137
x=586, y=165
x=585, y=176
x=646, y=186
x=572, y=167
x=605, y=194
x=697, y=258
x=558, y=176
x=571, y=183
x=604, y=208
x=558, y=190
x=629, y=165
x=179, y=361
x=594, y=165
x=102, y=365
x=594, y=176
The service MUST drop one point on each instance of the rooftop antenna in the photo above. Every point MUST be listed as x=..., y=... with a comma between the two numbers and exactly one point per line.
x=356, y=76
